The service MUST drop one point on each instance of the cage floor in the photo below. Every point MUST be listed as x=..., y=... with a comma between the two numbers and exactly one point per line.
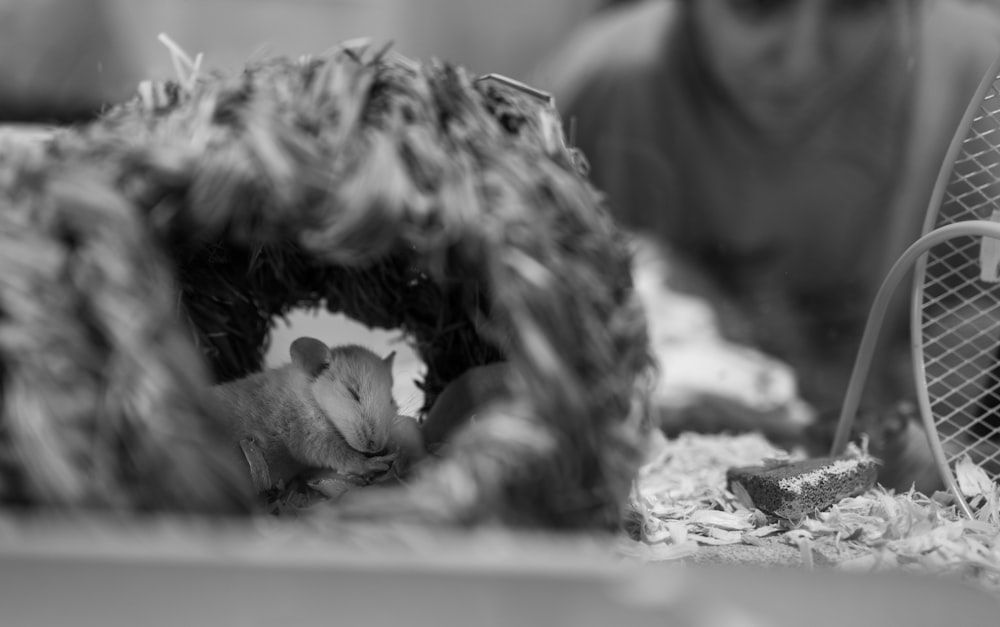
x=189, y=573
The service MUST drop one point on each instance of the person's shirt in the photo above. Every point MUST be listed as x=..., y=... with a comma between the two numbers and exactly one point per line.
x=799, y=233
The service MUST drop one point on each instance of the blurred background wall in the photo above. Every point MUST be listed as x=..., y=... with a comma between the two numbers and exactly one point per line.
x=59, y=58
x=485, y=35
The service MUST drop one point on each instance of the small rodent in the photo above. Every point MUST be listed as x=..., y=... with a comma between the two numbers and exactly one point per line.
x=330, y=408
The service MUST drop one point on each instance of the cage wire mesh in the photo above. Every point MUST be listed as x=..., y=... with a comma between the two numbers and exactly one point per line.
x=955, y=306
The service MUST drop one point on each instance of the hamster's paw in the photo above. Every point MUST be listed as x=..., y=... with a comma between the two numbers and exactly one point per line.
x=368, y=467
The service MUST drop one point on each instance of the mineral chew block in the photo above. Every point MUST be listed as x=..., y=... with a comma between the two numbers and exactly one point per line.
x=794, y=489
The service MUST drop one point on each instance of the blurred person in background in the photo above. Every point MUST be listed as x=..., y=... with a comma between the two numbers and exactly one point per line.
x=784, y=152
x=60, y=61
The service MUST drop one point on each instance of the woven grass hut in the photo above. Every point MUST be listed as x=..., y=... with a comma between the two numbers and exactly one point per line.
x=148, y=254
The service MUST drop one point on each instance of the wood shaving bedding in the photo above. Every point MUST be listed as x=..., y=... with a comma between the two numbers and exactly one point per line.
x=680, y=506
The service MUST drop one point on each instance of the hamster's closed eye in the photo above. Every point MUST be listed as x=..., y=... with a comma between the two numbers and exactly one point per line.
x=354, y=393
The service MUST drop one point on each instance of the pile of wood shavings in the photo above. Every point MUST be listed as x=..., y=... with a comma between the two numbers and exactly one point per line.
x=680, y=502
x=679, y=499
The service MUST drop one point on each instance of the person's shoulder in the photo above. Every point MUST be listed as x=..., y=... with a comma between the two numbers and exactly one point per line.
x=632, y=34
x=959, y=41
x=611, y=46
x=975, y=14
x=962, y=33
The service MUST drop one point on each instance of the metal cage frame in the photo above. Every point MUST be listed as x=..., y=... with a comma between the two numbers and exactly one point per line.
x=961, y=229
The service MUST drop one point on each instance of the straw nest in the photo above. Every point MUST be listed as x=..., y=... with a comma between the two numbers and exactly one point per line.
x=148, y=254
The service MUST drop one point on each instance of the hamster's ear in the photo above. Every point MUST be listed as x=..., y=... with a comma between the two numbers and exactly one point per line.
x=388, y=359
x=310, y=355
